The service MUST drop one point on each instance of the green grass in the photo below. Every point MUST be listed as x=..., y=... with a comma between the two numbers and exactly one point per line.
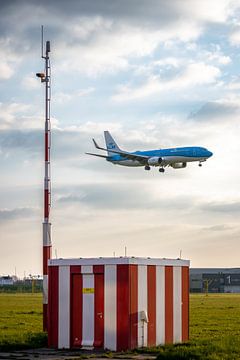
x=214, y=327
x=21, y=321
x=214, y=330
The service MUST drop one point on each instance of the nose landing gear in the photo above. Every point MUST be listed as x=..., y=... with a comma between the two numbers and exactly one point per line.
x=161, y=170
x=200, y=164
x=147, y=167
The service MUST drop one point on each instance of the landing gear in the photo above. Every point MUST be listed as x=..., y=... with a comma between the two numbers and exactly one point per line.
x=200, y=164
x=147, y=167
x=161, y=170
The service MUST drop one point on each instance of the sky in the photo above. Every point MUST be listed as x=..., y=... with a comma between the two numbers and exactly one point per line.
x=155, y=74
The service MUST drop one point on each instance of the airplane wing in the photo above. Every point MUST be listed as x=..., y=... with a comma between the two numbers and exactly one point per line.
x=124, y=154
x=103, y=156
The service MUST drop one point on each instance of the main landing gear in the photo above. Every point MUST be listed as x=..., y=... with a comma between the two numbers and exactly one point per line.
x=147, y=167
x=200, y=164
x=161, y=170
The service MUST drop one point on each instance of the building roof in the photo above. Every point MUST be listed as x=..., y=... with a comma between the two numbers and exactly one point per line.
x=119, y=261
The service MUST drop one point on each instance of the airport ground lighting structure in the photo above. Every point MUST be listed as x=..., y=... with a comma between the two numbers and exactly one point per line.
x=47, y=244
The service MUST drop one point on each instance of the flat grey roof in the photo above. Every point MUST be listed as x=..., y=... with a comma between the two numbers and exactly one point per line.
x=194, y=271
x=119, y=261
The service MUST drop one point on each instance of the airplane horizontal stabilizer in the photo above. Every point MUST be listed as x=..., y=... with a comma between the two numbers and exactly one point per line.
x=103, y=156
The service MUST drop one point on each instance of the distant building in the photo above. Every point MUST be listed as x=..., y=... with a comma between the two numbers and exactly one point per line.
x=7, y=280
x=215, y=280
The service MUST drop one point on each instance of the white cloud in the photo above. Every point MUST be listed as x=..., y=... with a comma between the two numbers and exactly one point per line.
x=8, y=114
x=9, y=59
x=30, y=82
x=194, y=74
x=208, y=11
x=234, y=37
x=21, y=116
x=63, y=97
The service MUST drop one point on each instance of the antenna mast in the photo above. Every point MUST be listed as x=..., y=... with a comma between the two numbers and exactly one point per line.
x=47, y=243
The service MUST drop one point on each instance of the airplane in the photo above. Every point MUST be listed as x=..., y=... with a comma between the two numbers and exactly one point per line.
x=177, y=158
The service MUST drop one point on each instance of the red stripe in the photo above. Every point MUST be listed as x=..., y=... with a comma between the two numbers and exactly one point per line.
x=185, y=303
x=46, y=146
x=47, y=250
x=98, y=269
x=123, y=307
x=76, y=306
x=168, y=304
x=53, y=307
x=98, y=306
x=151, y=294
x=133, y=306
x=46, y=203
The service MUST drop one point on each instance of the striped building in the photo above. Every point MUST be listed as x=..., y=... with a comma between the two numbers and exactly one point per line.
x=103, y=302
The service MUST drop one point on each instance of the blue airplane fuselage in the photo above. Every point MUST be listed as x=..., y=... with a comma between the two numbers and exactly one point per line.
x=172, y=155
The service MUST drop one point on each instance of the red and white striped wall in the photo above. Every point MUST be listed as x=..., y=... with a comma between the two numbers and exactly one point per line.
x=98, y=302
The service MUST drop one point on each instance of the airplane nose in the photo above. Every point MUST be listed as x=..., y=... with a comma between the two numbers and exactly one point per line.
x=210, y=154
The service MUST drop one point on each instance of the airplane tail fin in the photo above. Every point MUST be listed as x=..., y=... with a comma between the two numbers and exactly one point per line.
x=110, y=143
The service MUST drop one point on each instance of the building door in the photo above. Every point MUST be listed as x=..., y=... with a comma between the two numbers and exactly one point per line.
x=76, y=310
x=87, y=310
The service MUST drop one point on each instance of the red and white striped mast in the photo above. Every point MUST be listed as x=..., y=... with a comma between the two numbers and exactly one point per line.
x=47, y=244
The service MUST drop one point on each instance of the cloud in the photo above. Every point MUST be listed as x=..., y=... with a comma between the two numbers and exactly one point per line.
x=63, y=97
x=30, y=82
x=104, y=39
x=234, y=37
x=9, y=59
x=12, y=115
x=17, y=213
x=218, y=228
x=194, y=74
x=227, y=208
x=225, y=109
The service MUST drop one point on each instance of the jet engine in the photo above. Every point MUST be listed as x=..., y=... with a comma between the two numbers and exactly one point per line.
x=155, y=161
x=179, y=165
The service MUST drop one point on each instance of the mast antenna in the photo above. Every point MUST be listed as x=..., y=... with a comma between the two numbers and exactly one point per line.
x=45, y=78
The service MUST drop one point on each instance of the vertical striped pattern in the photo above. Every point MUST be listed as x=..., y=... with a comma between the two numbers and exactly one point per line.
x=160, y=305
x=64, y=307
x=100, y=306
x=177, y=304
x=47, y=189
x=142, y=304
x=168, y=304
x=110, y=307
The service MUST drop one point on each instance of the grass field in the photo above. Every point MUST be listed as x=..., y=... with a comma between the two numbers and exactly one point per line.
x=214, y=326
x=21, y=321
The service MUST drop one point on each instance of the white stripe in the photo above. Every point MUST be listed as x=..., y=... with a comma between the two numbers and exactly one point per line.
x=177, y=304
x=88, y=311
x=110, y=307
x=142, y=304
x=160, y=305
x=64, y=307
x=47, y=234
x=86, y=269
x=45, y=289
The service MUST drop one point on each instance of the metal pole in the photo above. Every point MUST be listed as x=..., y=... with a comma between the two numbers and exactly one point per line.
x=47, y=244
